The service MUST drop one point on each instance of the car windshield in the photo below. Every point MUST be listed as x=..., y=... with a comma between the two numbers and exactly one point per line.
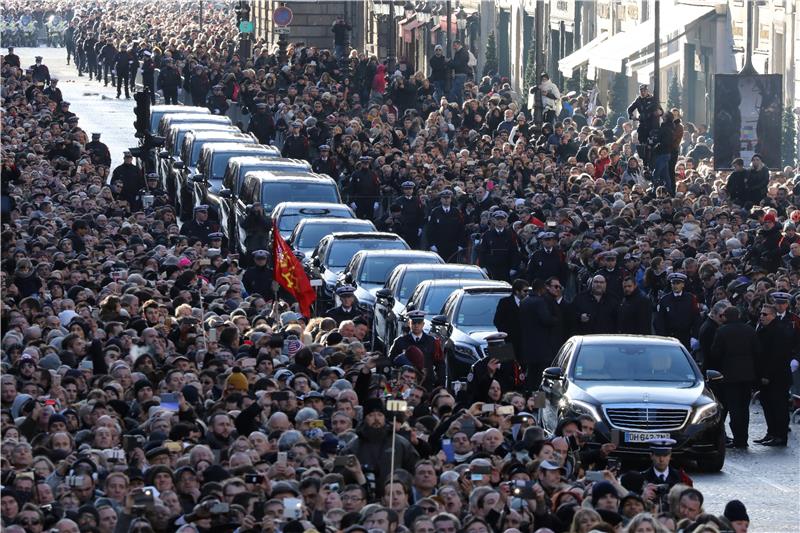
x=275, y=192
x=290, y=218
x=342, y=251
x=633, y=362
x=311, y=234
x=413, y=278
x=473, y=311
x=377, y=269
x=434, y=299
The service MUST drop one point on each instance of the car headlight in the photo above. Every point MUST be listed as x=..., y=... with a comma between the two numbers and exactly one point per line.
x=704, y=412
x=465, y=352
x=584, y=408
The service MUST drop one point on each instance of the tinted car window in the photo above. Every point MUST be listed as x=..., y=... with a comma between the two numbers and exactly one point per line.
x=292, y=216
x=342, y=251
x=632, y=362
x=312, y=233
x=472, y=311
x=275, y=192
x=413, y=278
x=435, y=298
x=377, y=269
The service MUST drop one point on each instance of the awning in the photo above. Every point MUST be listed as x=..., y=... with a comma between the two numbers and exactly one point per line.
x=580, y=56
x=408, y=28
x=611, y=54
x=645, y=70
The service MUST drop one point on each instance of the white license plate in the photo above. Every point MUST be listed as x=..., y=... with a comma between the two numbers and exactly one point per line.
x=644, y=437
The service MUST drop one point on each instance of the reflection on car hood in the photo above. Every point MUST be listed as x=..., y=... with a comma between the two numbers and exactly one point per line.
x=475, y=337
x=682, y=393
x=365, y=292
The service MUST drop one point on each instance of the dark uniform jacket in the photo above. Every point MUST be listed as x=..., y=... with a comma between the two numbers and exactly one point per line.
x=100, y=153
x=735, y=351
x=262, y=125
x=635, y=314
x=193, y=228
x=678, y=316
x=340, y=314
x=295, y=146
x=498, y=253
x=412, y=216
x=536, y=325
x=426, y=344
x=445, y=230
x=545, y=264
x=673, y=477
x=776, y=346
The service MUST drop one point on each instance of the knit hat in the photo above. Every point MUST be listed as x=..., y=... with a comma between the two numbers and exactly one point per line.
x=373, y=405
x=415, y=357
x=237, y=381
x=602, y=489
x=735, y=510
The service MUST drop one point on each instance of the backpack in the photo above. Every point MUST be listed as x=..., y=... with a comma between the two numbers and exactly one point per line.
x=473, y=61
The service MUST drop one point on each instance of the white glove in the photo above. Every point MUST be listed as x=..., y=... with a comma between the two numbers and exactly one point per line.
x=694, y=343
x=512, y=273
x=460, y=248
x=376, y=205
x=434, y=248
x=353, y=205
x=794, y=365
x=419, y=232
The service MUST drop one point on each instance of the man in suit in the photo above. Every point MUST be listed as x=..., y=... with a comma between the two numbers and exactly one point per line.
x=775, y=376
x=660, y=472
x=536, y=324
x=635, y=311
x=506, y=316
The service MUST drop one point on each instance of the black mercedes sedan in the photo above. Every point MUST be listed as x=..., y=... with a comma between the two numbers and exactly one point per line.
x=637, y=389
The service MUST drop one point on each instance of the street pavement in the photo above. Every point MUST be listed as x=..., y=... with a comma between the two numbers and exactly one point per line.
x=767, y=480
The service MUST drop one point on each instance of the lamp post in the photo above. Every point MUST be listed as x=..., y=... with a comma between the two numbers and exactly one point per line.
x=449, y=22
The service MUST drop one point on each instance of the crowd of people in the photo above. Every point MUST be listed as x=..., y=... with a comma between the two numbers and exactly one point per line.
x=152, y=383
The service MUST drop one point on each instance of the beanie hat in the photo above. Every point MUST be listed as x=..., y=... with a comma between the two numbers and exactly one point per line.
x=139, y=385
x=415, y=357
x=602, y=489
x=373, y=405
x=735, y=510
x=237, y=381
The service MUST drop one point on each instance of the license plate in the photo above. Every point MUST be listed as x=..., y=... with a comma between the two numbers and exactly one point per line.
x=644, y=437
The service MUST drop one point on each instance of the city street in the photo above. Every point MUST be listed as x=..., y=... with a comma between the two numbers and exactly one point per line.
x=766, y=479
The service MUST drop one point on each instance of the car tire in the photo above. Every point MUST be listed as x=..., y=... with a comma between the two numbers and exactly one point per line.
x=715, y=462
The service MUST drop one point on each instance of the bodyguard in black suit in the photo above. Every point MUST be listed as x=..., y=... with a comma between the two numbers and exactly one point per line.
x=635, y=310
x=506, y=315
x=536, y=325
x=775, y=377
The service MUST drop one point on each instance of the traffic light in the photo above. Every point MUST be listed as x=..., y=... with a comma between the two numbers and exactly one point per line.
x=142, y=111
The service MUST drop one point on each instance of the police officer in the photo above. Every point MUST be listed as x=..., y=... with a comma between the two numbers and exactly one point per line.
x=149, y=74
x=69, y=40
x=258, y=278
x=169, y=79
x=612, y=273
x=262, y=125
x=296, y=144
x=217, y=240
x=781, y=301
x=678, y=313
x=445, y=228
x=53, y=92
x=199, y=226
x=660, y=472
x=412, y=215
x=547, y=262
x=40, y=72
x=498, y=250
x=348, y=310
x=431, y=352
x=122, y=64
x=131, y=178
x=80, y=53
x=108, y=52
x=217, y=102
x=364, y=189
x=325, y=164
x=12, y=59
x=151, y=196
x=645, y=105
x=99, y=151
x=91, y=55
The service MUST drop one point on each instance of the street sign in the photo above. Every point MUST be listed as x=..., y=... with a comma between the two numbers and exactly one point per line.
x=282, y=16
x=282, y=31
x=246, y=26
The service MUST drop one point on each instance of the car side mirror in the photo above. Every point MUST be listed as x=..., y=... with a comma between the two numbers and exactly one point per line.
x=225, y=193
x=348, y=278
x=178, y=165
x=439, y=320
x=163, y=154
x=383, y=294
x=554, y=373
x=713, y=375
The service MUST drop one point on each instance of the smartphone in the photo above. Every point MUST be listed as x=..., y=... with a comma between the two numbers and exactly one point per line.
x=292, y=508
x=253, y=479
x=523, y=489
x=488, y=408
x=143, y=498
x=480, y=469
x=383, y=365
x=50, y=402
x=220, y=508
x=74, y=481
x=131, y=442
x=212, y=335
x=551, y=224
x=283, y=457
x=519, y=419
x=612, y=463
x=169, y=401
x=449, y=452
x=344, y=460
x=594, y=475
x=396, y=406
x=114, y=455
x=505, y=410
x=204, y=262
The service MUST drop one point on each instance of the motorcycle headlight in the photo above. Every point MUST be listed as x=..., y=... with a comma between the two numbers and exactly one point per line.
x=704, y=412
x=584, y=408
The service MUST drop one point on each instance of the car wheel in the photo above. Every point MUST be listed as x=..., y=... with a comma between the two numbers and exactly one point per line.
x=715, y=462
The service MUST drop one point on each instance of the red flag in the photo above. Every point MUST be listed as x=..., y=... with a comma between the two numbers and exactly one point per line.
x=290, y=275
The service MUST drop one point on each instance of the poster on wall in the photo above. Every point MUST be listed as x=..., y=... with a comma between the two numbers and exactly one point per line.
x=747, y=118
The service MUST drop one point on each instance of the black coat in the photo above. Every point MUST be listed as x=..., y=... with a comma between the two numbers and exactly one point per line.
x=446, y=231
x=706, y=339
x=776, y=346
x=543, y=265
x=736, y=186
x=506, y=319
x=757, y=182
x=536, y=330
x=735, y=351
x=636, y=314
x=678, y=316
x=499, y=253
x=602, y=314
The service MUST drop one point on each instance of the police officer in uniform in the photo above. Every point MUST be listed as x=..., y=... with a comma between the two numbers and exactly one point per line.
x=660, y=473
x=445, y=228
x=40, y=72
x=12, y=59
x=53, y=92
x=547, y=262
x=217, y=240
x=782, y=301
x=645, y=104
x=613, y=275
x=434, y=363
x=412, y=215
x=199, y=226
x=364, y=189
x=296, y=145
x=122, y=63
x=159, y=195
x=348, y=310
x=131, y=178
x=498, y=251
x=100, y=153
x=149, y=74
x=217, y=102
x=91, y=55
x=69, y=40
x=774, y=372
x=258, y=278
x=262, y=125
x=108, y=52
x=678, y=313
x=325, y=164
